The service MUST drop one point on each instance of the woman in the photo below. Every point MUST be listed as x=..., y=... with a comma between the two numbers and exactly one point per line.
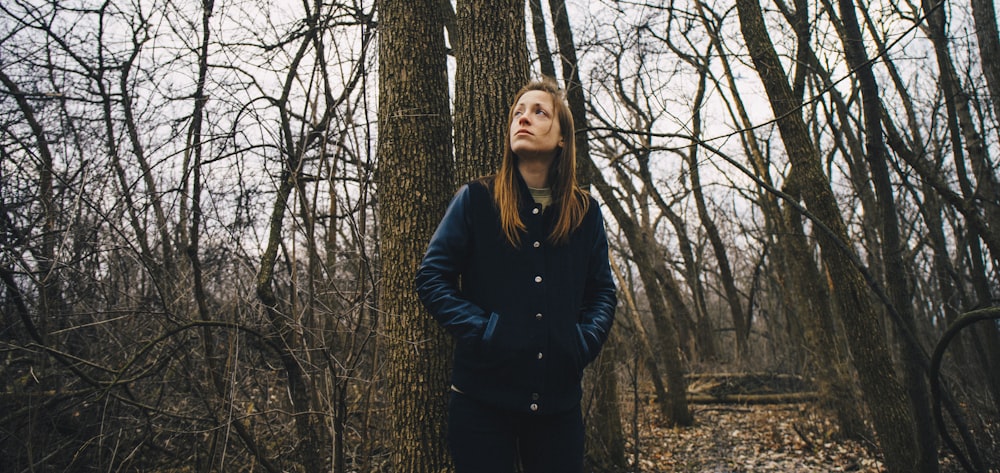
x=535, y=302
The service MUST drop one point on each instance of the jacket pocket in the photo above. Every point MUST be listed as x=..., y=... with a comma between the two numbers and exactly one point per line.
x=491, y=328
x=582, y=353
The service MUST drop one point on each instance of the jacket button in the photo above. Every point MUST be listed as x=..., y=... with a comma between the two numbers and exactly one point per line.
x=533, y=407
x=538, y=279
x=540, y=355
x=536, y=244
x=538, y=316
x=534, y=210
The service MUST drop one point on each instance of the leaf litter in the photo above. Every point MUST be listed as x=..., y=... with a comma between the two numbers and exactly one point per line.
x=752, y=439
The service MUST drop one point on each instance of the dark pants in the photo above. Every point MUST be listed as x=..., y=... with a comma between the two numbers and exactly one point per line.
x=483, y=439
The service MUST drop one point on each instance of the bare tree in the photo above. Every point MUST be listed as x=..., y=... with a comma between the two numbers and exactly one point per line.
x=892, y=418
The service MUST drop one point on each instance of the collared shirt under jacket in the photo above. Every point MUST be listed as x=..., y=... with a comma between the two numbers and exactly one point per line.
x=526, y=319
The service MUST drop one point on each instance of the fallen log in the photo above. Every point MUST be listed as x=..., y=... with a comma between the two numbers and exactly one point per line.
x=779, y=398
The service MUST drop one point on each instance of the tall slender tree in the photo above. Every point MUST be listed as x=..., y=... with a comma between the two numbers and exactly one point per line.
x=892, y=248
x=891, y=415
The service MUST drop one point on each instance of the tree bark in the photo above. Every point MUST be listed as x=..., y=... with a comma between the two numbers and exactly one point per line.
x=491, y=57
x=814, y=310
x=983, y=193
x=892, y=247
x=415, y=184
x=891, y=415
x=572, y=84
x=985, y=17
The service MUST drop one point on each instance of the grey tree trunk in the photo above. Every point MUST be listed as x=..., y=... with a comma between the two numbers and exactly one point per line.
x=741, y=326
x=985, y=17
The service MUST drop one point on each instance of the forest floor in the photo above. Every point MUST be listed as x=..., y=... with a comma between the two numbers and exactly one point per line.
x=753, y=439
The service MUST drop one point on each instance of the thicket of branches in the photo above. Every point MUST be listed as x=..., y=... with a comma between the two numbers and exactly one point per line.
x=190, y=233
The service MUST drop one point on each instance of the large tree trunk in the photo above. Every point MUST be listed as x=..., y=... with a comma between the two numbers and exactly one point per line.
x=571, y=81
x=814, y=310
x=414, y=178
x=891, y=415
x=545, y=63
x=491, y=56
x=913, y=357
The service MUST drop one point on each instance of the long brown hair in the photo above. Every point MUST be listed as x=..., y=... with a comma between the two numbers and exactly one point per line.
x=568, y=198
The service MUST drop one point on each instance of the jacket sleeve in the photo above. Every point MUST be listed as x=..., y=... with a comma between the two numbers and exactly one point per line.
x=600, y=298
x=437, y=278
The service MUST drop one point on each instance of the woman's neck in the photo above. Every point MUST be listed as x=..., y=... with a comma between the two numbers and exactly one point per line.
x=534, y=172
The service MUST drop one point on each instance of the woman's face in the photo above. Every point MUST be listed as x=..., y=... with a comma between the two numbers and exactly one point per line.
x=534, y=128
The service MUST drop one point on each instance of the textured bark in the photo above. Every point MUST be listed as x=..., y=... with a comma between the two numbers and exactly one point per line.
x=892, y=247
x=891, y=415
x=491, y=56
x=414, y=178
x=572, y=84
x=814, y=311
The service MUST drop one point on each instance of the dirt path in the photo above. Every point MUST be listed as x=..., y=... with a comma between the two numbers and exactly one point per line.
x=759, y=439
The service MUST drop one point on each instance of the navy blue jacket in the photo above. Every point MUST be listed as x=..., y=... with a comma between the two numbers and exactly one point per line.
x=526, y=320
